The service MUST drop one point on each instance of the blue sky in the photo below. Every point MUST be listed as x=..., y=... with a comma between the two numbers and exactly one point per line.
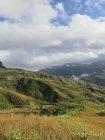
x=90, y=7
x=38, y=33
x=93, y=8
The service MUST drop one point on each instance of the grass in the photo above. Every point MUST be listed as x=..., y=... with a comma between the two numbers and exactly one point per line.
x=30, y=127
x=11, y=99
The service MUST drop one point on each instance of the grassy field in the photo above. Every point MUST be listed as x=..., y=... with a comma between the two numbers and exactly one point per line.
x=86, y=126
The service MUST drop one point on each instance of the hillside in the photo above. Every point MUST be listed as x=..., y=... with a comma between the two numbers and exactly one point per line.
x=36, y=106
x=46, y=94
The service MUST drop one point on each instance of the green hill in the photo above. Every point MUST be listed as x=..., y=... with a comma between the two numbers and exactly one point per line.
x=44, y=94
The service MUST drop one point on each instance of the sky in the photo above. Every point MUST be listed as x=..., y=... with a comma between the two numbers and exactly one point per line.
x=35, y=34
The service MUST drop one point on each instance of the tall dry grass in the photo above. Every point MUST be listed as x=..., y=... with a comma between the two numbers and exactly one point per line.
x=29, y=127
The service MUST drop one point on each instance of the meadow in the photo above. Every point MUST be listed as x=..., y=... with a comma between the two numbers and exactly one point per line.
x=36, y=106
x=86, y=126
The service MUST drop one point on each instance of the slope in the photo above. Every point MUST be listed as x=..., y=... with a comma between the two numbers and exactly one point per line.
x=48, y=94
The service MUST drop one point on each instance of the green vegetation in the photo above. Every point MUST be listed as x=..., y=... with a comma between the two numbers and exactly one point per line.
x=69, y=105
x=46, y=94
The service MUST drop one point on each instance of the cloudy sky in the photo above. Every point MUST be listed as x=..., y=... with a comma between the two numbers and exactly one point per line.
x=39, y=33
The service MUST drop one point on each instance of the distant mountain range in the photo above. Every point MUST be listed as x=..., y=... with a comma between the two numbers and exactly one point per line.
x=92, y=72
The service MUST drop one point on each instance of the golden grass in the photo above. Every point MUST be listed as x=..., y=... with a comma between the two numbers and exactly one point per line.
x=21, y=96
x=52, y=128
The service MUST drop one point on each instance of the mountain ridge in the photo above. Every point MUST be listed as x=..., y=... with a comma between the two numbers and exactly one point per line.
x=91, y=72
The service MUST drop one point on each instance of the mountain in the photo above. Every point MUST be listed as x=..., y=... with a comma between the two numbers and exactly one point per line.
x=43, y=94
x=1, y=65
x=91, y=72
x=76, y=69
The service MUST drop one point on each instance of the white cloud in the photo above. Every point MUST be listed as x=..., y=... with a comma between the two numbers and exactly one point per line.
x=33, y=41
x=4, y=55
x=32, y=62
x=91, y=31
x=38, y=11
x=60, y=7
